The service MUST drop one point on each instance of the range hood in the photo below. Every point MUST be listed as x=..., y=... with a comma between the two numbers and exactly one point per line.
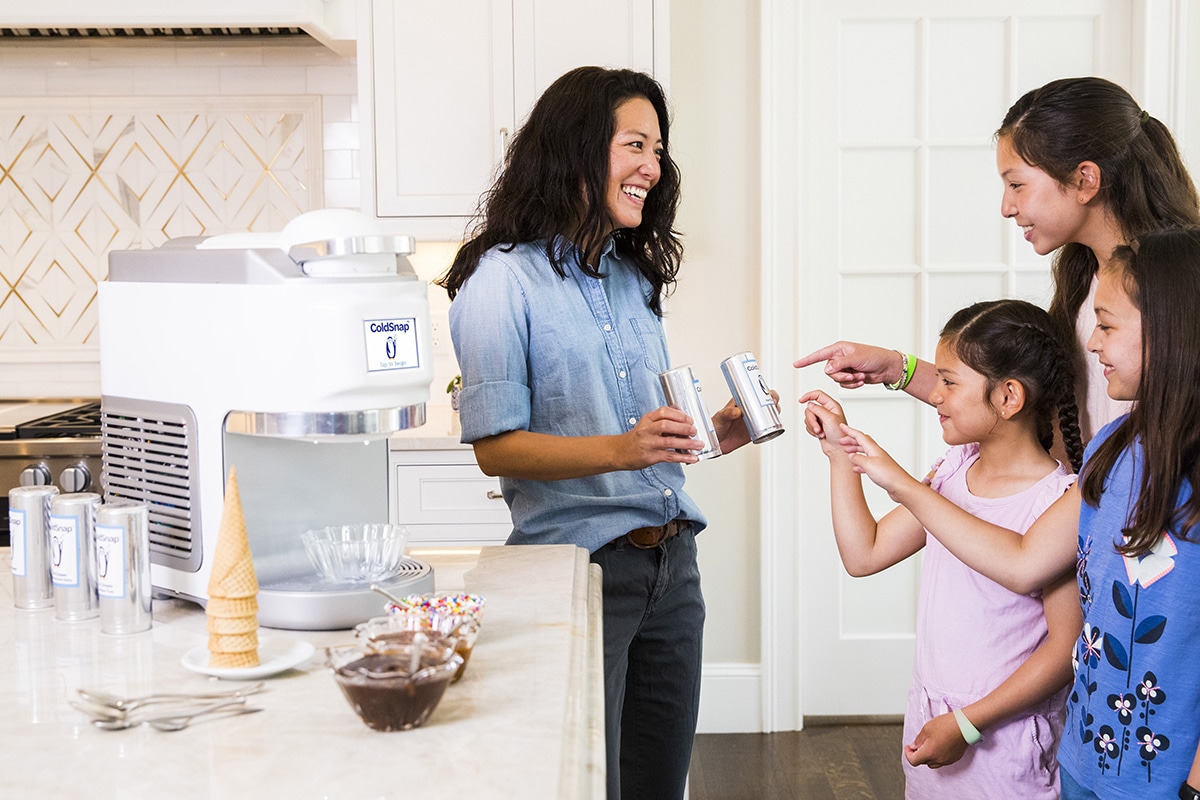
x=330, y=22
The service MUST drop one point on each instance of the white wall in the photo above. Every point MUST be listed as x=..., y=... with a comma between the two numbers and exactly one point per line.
x=715, y=313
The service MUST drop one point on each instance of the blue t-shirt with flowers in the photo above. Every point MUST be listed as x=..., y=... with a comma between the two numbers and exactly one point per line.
x=1134, y=710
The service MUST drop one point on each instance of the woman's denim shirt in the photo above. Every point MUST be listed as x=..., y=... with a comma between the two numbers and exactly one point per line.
x=574, y=356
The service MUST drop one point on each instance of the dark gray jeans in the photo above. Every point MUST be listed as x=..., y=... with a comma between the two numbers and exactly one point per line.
x=653, y=628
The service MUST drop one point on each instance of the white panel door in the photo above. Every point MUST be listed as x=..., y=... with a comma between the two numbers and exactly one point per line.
x=900, y=227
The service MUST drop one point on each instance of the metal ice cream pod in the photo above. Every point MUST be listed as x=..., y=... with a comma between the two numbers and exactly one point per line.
x=753, y=396
x=683, y=392
x=28, y=523
x=123, y=566
x=73, y=555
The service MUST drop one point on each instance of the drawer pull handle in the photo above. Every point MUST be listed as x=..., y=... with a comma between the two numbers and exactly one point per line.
x=494, y=495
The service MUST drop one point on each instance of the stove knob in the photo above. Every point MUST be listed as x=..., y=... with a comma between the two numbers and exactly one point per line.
x=36, y=475
x=75, y=478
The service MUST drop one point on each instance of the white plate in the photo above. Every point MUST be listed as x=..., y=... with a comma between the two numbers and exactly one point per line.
x=274, y=656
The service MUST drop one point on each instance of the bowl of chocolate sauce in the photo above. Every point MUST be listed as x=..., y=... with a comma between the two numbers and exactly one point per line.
x=394, y=686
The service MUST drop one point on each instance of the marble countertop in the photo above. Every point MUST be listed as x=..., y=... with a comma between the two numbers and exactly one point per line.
x=526, y=720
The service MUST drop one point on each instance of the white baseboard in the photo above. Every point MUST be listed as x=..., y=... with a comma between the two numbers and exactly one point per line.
x=731, y=699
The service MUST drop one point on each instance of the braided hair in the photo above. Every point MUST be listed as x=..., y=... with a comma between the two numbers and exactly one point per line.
x=1003, y=339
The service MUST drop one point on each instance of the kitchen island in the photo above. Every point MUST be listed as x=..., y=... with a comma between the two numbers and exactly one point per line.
x=526, y=720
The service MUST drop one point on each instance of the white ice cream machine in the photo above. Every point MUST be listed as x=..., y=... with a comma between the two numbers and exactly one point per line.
x=289, y=356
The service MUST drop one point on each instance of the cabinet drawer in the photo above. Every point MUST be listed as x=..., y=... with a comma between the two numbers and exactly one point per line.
x=448, y=494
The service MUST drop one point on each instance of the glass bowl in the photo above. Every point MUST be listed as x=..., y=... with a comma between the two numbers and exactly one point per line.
x=358, y=553
x=394, y=686
x=453, y=614
x=401, y=628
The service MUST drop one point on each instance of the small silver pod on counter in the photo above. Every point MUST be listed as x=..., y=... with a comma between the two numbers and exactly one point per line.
x=73, y=555
x=29, y=523
x=123, y=566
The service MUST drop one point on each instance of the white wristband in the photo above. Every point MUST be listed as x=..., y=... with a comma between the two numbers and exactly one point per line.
x=969, y=731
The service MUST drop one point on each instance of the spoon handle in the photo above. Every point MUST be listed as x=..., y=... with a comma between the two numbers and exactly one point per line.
x=120, y=723
x=179, y=723
x=130, y=703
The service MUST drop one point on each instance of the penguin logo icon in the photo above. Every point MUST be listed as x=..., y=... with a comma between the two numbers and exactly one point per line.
x=390, y=347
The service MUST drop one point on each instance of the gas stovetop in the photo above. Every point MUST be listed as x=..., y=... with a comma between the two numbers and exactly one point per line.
x=43, y=419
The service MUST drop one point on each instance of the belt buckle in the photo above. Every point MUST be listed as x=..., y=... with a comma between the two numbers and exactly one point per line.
x=662, y=533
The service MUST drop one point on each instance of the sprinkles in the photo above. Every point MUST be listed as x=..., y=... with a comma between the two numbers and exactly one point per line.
x=437, y=611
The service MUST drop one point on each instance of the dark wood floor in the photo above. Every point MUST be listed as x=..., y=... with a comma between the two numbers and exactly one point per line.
x=821, y=762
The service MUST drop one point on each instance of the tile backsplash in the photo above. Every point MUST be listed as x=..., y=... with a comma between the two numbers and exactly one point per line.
x=113, y=145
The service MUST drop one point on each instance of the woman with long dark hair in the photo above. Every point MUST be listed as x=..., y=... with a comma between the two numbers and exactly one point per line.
x=557, y=323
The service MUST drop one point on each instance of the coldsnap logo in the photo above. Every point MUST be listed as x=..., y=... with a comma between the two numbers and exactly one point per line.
x=391, y=325
x=391, y=344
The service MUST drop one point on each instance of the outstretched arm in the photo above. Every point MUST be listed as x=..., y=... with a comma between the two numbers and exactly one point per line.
x=1021, y=564
x=865, y=546
x=657, y=437
x=852, y=365
x=1048, y=669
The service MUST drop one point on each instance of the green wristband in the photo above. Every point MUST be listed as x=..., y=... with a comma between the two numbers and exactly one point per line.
x=969, y=731
x=908, y=368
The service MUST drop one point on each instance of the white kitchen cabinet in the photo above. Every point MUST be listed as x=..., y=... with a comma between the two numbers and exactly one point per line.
x=444, y=499
x=449, y=82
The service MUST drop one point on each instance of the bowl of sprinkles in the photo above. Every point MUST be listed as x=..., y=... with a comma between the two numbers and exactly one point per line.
x=456, y=616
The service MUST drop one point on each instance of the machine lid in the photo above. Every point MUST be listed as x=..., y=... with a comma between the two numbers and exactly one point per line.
x=355, y=255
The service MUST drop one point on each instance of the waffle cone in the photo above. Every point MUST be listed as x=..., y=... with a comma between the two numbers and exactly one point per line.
x=232, y=610
x=232, y=625
x=233, y=660
x=233, y=566
x=227, y=607
x=234, y=643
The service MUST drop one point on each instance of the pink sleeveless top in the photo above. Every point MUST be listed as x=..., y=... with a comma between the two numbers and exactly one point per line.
x=972, y=633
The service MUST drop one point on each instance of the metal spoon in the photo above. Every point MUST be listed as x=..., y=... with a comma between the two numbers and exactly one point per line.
x=375, y=587
x=169, y=718
x=179, y=723
x=96, y=697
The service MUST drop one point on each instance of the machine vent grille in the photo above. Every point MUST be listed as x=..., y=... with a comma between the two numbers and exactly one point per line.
x=148, y=451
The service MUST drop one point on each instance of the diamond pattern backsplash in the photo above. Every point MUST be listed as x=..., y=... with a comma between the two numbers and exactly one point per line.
x=82, y=177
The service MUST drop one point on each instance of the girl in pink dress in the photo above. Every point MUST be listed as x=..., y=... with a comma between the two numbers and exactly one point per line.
x=986, y=703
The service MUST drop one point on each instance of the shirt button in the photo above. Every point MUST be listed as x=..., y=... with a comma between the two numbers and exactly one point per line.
x=621, y=373
x=607, y=327
x=633, y=420
x=668, y=493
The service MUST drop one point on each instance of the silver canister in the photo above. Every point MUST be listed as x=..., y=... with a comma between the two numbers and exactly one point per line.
x=123, y=566
x=682, y=389
x=73, y=555
x=28, y=524
x=753, y=396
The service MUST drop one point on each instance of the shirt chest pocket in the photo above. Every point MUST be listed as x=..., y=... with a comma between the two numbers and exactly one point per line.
x=652, y=345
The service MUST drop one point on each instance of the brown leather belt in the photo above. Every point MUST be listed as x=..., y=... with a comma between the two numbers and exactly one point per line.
x=647, y=538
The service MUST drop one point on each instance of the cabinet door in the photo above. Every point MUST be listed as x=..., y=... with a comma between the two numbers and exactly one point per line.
x=551, y=37
x=443, y=102
x=453, y=80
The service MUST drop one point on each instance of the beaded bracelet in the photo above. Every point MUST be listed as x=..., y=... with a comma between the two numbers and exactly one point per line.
x=969, y=731
x=908, y=369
